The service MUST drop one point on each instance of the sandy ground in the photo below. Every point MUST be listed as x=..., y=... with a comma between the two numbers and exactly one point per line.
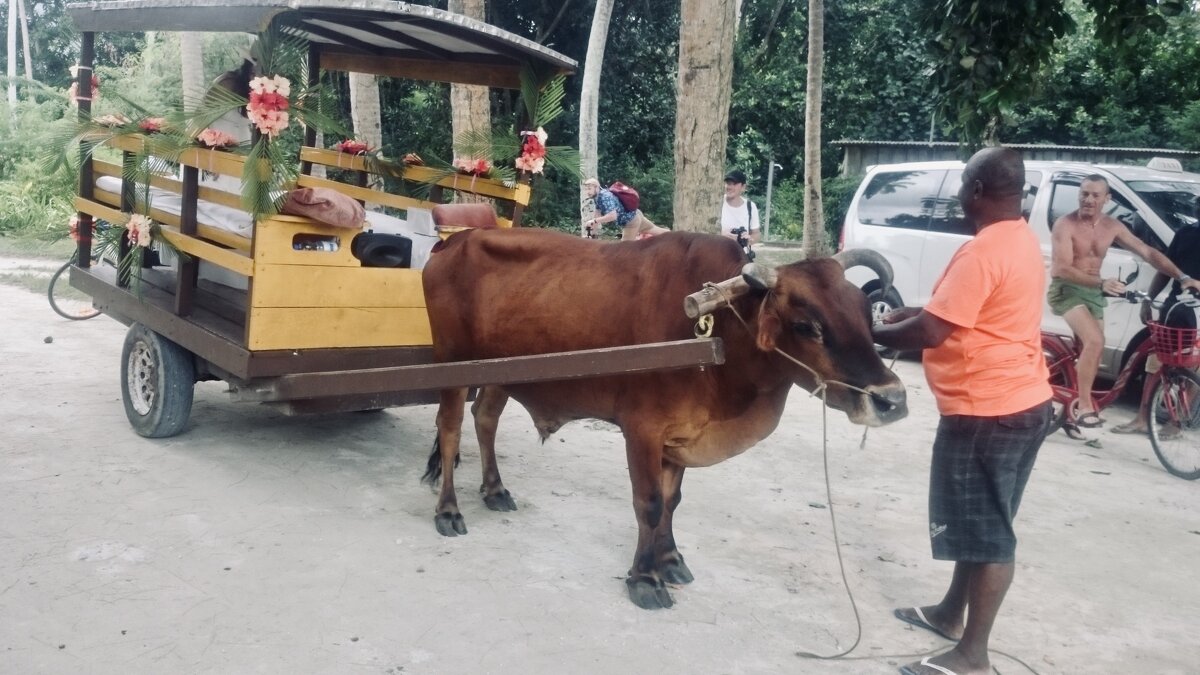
x=257, y=543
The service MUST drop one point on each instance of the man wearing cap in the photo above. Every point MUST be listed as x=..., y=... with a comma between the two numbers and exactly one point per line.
x=736, y=210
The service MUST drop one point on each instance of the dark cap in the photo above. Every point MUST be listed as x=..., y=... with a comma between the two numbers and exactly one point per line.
x=736, y=176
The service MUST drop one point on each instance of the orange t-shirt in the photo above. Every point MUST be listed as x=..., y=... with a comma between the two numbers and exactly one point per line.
x=992, y=363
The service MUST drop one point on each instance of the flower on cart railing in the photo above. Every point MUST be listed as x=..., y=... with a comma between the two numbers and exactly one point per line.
x=269, y=104
x=140, y=230
x=472, y=167
x=533, y=151
x=353, y=147
x=215, y=138
x=73, y=91
x=73, y=227
x=111, y=120
x=152, y=125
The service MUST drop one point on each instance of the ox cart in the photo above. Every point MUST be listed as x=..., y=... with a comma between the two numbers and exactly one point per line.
x=279, y=306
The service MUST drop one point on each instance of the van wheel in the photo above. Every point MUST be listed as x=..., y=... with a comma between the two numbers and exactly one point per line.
x=880, y=305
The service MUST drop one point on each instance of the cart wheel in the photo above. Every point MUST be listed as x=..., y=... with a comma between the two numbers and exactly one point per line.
x=157, y=377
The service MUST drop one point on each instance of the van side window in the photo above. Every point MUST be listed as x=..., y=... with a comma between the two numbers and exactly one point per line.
x=1066, y=200
x=947, y=214
x=900, y=199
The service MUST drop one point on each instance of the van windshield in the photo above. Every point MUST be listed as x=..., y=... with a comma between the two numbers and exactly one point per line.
x=1176, y=202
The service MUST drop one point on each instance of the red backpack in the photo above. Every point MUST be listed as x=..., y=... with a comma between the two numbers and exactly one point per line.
x=626, y=195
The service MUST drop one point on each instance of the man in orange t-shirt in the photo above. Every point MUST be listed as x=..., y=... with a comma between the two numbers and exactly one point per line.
x=981, y=335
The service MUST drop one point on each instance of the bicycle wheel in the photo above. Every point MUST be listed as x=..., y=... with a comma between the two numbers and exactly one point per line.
x=1175, y=422
x=66, y=300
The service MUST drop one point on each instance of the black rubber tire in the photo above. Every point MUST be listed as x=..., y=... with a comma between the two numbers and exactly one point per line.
x=880, y=305
x=1185, y=445
x=59, y=283
x=157, y=383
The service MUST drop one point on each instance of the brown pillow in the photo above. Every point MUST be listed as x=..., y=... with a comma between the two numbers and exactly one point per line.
x=325, y=206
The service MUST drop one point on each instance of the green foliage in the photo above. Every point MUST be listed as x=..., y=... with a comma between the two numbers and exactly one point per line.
x=787, y=207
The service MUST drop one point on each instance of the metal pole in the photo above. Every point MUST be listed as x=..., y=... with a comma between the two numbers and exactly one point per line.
x=770, y=184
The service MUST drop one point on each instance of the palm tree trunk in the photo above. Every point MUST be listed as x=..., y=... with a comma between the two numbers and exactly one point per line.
x=589, y=104
x=191, y=56
x=365, y=112
x=25, y=39
x=469, y=104
x=11, y=53
x=816, y=243
x=706, y=36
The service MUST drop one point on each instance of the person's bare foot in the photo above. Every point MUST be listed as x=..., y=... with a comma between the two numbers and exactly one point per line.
x=930, y=618
x=953, y=662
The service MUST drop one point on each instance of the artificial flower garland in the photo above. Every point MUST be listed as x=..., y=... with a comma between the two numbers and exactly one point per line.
x=269, y=103
x=533, y=151
x=215, y=138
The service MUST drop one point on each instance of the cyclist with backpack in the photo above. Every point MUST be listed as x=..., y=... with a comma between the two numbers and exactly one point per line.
x=619, y=204
x=737, y=211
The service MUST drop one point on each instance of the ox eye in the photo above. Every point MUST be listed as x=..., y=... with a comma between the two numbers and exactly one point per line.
x=807, y=329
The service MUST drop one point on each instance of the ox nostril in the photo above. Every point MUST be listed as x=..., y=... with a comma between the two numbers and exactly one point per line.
x=889, y=401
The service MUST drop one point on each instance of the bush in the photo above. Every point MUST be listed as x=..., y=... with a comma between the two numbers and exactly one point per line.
x=787, y=207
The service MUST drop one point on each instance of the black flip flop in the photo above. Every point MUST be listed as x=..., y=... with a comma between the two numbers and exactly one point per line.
x=1089, y=420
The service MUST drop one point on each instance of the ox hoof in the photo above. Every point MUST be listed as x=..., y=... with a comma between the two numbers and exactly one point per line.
x=648, y=593
x=501, y=501
x=450, y=524
x=675, y=572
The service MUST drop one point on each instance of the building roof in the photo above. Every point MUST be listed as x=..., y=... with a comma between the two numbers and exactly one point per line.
x=1021, y=146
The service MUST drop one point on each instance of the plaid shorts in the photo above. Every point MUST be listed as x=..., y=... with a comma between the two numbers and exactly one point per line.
x=979, y=470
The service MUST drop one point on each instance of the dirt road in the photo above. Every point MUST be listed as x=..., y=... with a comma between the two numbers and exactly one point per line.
x=256, y=543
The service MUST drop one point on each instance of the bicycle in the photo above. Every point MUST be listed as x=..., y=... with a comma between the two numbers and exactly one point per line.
x=1172, y=390
x=68, y=301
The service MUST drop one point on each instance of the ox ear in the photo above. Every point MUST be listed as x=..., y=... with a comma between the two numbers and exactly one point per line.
x=760, y=277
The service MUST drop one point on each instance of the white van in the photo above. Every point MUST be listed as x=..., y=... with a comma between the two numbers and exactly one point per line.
x=910, y=213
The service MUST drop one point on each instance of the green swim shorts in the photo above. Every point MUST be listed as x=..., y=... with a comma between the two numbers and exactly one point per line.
x=1065, y=295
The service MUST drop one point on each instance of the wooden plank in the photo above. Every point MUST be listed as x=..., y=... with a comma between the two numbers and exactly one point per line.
x=270, y=363
x=365, y=194
x=609, y=361
x=231, y=260
x=214, y=161
x=171, y=185
x=325, y=327
x=275, y=236
x=319, y=286
x=480, y=186
x=101, y=211
x=215, y=234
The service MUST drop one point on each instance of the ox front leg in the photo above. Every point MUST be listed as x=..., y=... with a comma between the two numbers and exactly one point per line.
x=489, y=404
x=645, y=585
x=671, y=567
x=447, y=518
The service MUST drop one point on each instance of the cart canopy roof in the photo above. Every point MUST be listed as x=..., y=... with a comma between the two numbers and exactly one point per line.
x=379, y=37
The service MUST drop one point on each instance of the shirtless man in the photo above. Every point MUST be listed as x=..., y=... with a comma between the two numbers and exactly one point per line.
x=1080, y=240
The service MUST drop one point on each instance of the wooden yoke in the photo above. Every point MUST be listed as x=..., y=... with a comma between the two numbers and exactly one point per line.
x=714, y=297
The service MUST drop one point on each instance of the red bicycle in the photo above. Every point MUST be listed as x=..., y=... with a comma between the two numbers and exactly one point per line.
x=1172, y=389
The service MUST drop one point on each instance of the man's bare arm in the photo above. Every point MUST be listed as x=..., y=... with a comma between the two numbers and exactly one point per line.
x=921, y=330
x=1156, y=259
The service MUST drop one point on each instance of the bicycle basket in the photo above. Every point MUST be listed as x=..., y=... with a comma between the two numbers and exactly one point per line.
x=1176, y=346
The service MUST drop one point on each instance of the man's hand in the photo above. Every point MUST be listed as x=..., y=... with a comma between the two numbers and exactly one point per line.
x=1145, y=313
x=899, y=314
x=1191, y=284
x=1112, y=287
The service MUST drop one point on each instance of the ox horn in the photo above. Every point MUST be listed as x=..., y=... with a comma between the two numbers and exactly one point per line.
x=760, y=277
x=872, y=260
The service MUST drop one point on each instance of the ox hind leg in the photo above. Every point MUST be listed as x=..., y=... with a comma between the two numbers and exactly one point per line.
x=447, y=518
x=645, y=582
x=488, y=406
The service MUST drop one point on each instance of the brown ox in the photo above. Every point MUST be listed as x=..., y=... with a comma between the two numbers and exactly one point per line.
x=500, y=293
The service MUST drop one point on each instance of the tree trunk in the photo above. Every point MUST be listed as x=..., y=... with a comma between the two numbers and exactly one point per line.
x=589, y=104
x=11, y=53
x=191, y=56
x=703, y=89
x=365, y=112
x=816, y=243
x=25, y=40
x=469, y=104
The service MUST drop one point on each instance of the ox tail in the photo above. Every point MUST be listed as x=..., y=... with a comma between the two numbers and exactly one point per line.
x=433, y=468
